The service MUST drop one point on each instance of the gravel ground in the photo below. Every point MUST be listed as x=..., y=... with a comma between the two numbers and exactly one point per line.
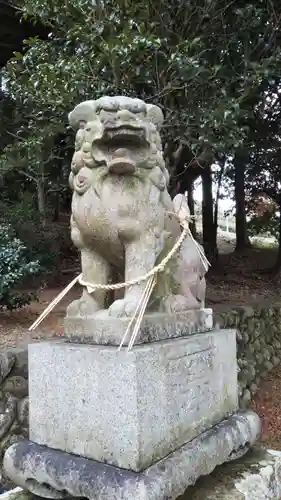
x=14, y=325
x=267, y=404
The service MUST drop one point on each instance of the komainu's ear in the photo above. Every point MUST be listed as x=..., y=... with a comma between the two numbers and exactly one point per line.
x=83, y=112
x=155, y=115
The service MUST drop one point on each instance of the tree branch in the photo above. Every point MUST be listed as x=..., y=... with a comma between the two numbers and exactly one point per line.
x=28, y=176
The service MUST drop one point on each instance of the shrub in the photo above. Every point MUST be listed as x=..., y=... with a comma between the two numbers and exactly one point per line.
x=15, y=268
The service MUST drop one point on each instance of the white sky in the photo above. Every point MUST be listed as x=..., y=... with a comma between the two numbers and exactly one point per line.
x=224, y=204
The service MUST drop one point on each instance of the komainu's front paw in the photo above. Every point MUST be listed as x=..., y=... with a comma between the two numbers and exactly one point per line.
x=177, y=303
x=85, y=306
x=123, y=308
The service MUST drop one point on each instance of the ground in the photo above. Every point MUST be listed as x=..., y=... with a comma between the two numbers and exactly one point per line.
x=236, y=280
x=267, y=404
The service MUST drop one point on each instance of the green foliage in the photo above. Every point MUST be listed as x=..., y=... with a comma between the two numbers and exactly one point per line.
x=15, y=267
x=206, y=64
x=266, y=225
x=213, y=66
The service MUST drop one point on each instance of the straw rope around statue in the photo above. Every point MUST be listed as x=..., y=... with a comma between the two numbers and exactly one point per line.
x=184, y=219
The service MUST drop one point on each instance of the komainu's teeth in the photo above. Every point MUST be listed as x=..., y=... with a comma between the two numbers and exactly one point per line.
x=122, y=134
x=124, y=131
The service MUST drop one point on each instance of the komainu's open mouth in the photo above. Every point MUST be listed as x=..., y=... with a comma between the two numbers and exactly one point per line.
x=124, y=135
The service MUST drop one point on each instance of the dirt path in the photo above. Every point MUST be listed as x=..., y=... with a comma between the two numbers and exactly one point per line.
x=14, y=325
x=267, y=404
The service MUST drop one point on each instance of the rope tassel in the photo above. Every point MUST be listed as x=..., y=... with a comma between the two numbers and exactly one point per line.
x=139, y=313
x=53, y=304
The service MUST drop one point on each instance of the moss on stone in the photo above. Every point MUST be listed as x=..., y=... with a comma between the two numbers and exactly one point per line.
x=22, y=495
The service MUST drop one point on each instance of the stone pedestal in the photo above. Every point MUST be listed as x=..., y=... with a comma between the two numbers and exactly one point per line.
x=105, y=330
x=117, y=425
x=255, y=476
x=54, y=474
x=130, y=409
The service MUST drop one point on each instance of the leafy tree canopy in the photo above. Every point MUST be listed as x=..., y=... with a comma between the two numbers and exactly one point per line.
x=207, y=63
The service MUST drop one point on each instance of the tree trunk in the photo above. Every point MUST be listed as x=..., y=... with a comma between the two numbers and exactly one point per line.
x=242, y=240
x=56, y=214
x=41, y=201
x=209, y=234
x=216, y=211
x=191, y=205
x=277, y=265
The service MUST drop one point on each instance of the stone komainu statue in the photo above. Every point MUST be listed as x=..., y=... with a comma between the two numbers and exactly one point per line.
x=121, y=210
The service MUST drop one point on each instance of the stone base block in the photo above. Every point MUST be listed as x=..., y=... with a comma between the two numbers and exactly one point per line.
x=157, y=326
x=256, y=476
x=130, y=409
x=54, y=474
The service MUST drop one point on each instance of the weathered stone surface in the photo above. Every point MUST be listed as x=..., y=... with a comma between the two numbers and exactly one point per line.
x=257, y=476
x=130, y=409
x=13, y=391
x=16, y=385
x=6, y=364
x=23, y=412
x=154, y=327
x=258, y=343
x=121, y=212
x=20, y=367
x=55, y=474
